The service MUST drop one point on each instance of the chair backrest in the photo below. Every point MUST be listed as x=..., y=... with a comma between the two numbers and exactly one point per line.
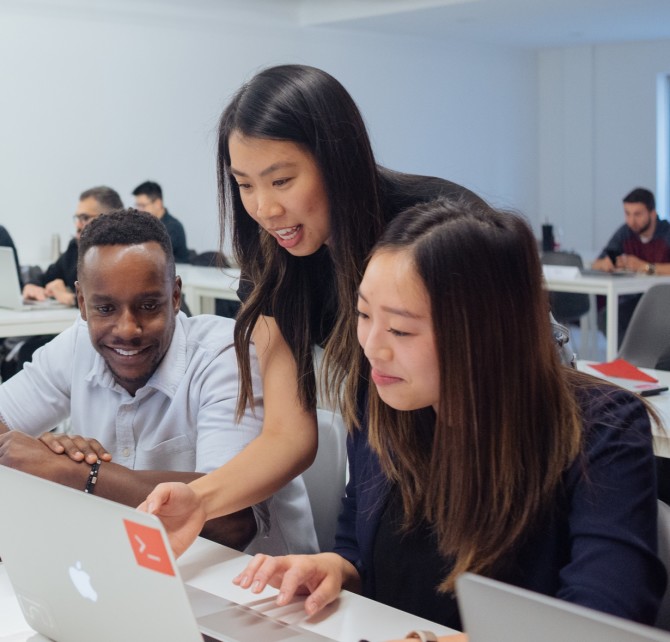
x=663, y=619
x=325, y=479
x=212, y=258
x=648, y=333
x=566, y=306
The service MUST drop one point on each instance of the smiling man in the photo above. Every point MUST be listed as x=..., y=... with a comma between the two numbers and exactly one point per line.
x=149, y=391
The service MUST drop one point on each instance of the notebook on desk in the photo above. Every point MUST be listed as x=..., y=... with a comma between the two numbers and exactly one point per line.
x=495, y=612
x=85, y=568
x=624, y=374
x=10, y=287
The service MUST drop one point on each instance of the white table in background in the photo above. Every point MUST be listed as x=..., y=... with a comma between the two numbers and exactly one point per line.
x=660, y=402
x=611, y=287
x=201, y=286
x=15, y=323
x=211, y=567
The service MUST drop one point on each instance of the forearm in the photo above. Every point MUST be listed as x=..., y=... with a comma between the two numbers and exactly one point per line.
x=130, y=487
x=662, y=268
x=268, y=463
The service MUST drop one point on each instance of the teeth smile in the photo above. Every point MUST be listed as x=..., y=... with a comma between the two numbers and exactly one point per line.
x=126, y=353
x=287, y=233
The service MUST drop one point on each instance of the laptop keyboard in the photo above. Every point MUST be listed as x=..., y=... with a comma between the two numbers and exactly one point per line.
x=221, y=620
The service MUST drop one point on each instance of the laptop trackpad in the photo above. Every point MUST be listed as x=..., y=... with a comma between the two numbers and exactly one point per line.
x=221, y=620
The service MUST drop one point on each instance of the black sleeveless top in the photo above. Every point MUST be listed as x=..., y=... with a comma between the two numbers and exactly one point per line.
x=408, y=569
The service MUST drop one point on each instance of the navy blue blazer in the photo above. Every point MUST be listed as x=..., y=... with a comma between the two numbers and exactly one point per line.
x=597, y=549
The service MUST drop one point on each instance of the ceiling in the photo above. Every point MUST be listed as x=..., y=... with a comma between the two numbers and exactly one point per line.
x=524, y=23
x=518, y=23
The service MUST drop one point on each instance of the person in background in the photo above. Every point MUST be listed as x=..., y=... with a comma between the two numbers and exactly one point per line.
x=304, y=201
x=151, y=393
x=57, y=282
x=477, y=450
x=6, y=241
x=9, y=344
x=149, y=198
x=641, y=244
x=59, y=278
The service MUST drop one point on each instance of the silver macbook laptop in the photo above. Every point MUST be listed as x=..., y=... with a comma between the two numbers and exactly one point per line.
x=85, y=568
x=10, y=286
x=495, y=612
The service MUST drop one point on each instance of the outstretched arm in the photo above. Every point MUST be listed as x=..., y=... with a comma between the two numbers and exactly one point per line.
x=285, y=448
x=115, y=482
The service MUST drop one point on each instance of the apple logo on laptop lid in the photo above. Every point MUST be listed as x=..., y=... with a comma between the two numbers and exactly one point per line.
x=82, y=582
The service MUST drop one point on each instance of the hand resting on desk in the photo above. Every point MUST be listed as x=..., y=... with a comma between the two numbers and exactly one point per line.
x=76, y=447
x=605, y=264
x=321, y=577
x=57, y=289
x=458, y=637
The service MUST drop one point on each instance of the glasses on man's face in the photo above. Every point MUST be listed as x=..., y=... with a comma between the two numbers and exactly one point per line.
x=143, y=205
x=83, y=218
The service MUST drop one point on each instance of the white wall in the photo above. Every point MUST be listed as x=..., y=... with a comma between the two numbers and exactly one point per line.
x=111, y=97
x=597, y=121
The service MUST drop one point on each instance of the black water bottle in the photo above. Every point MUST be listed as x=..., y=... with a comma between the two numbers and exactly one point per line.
x=548, y=238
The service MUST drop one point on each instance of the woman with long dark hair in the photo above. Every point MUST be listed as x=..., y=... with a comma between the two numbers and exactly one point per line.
x=478, y=450
x=304, y=201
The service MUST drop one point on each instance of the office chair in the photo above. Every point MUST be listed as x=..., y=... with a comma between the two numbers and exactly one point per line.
x=325, y=479
x=209, y=259
x=648, y=333
x=567, y=307
x=222, y=307
x=663, y=618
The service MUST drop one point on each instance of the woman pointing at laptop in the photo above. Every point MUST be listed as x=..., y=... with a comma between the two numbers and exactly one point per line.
x=305, y=201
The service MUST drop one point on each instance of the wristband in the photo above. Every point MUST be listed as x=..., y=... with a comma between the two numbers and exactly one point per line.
x=92, y=477
x=424, y=636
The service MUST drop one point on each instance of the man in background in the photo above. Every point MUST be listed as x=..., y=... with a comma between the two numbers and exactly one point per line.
x=641, y=244
x=57, y=282
x=59, y=278
x=6, y=241
x=149, y=198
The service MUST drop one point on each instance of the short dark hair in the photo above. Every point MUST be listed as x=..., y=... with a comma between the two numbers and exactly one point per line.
x=107, y=198
x=150, y=189
x=125, y=227
x=641, y=195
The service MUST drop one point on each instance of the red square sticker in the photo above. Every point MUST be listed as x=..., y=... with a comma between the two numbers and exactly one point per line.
x=147, y=544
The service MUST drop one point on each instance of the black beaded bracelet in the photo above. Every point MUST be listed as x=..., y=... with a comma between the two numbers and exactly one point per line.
x=92, y=477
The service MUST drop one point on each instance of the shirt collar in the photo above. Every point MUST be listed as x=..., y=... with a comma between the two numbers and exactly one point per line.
x=169, y=373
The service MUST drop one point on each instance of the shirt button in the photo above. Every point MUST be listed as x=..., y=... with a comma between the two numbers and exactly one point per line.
x=126, y=452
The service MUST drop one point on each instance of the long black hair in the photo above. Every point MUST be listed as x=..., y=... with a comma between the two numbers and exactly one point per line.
x=309, y=107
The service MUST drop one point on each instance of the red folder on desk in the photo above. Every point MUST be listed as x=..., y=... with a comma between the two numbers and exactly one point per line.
x=625, y=374
x=621, y=369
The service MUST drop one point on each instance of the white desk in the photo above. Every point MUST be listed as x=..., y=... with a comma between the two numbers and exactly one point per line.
x=202, y=285
x=660, y=402
x=611, y=287
x=39, y=321
x=211, y=567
